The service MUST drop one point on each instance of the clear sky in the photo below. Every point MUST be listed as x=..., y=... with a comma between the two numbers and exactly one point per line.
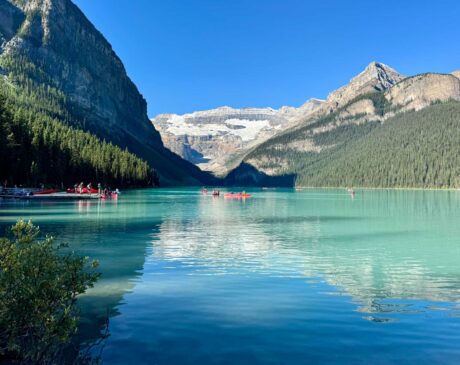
x=187, y=55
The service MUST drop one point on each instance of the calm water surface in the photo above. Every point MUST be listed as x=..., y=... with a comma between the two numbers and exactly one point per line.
x=283, y=278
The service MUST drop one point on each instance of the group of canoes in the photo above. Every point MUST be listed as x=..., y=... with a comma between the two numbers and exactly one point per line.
x=79, y=191
x=243, y=194
x=232, y=195
x=103, y=193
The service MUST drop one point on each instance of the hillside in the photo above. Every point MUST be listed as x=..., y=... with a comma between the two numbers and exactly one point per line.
x=414, y=149
x=37, y=149
x=404, y=136
x=55, y=63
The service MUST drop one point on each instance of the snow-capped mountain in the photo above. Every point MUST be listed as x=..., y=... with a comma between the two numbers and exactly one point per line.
x=217, y=139
x=212, y=138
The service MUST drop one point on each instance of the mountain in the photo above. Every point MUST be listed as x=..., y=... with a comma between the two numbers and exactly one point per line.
x=216, y=139
x=375, y=77
x=61, y=66
x=213, y=139
x=381, y=130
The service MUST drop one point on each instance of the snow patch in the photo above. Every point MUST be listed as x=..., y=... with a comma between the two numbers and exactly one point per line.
x=249, y=129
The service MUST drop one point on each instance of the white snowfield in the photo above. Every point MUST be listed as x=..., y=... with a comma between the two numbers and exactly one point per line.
x=246, y=124
x=246, y=129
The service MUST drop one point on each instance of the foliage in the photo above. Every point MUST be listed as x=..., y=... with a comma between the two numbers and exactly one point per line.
x=37, y=148
x=35, y=90
x=39, y=286
x=412, y=149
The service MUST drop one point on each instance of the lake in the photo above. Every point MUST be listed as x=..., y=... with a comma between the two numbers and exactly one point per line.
x=285, y=277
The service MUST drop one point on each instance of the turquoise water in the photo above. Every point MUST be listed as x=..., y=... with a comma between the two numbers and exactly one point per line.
x=283, y=278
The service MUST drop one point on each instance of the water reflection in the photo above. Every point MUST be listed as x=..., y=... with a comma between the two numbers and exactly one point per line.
x=382, y=248
x=281, y=278
x=116, y=235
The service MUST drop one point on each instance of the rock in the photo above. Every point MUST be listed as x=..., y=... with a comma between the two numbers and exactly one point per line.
x=11, y=19
x=456, y=74
x=212, y=138
x=417, y=92
x=375, y=77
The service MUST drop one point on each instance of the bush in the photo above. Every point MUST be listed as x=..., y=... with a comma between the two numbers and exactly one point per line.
x=39, y=286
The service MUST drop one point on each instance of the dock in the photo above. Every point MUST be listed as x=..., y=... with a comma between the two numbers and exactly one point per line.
x=28, y=195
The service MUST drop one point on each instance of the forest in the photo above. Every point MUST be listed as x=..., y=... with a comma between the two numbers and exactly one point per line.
x=37, y=149
x=412, y=149
x=40, y=142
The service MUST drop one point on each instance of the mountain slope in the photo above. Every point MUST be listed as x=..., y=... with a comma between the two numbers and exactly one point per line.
x=413, y=149
x=359, y=143
x=63, y=67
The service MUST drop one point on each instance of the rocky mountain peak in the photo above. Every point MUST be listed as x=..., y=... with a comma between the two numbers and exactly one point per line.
x=376, y=77
x=456, y=74
x=385, y=76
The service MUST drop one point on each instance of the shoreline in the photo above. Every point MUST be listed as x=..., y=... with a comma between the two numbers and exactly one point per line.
x=379, y=188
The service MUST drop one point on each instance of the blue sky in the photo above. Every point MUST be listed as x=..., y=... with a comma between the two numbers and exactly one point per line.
x=187, y=55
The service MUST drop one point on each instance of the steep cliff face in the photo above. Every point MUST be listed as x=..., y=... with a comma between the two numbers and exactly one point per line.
x=213, y=139
x=11, y=19
x=417, y=92
x=56, y=46
x=59, y=39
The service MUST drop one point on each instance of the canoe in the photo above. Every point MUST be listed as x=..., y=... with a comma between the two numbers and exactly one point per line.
x=83, y=191
x=237, y=195
x=44, y=192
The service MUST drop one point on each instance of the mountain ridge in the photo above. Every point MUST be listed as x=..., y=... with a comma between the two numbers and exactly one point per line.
x=202, y=145
x=377, y=94
x=311, y=151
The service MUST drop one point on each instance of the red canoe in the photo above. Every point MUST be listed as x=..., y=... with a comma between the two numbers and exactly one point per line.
x=237, y=195
x=44, y=192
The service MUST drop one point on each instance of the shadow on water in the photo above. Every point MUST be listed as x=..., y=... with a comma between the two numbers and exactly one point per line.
x=121, y=249
x=116, y=236
x=247, y=175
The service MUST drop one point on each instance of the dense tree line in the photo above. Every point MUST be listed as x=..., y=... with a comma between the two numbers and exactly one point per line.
x=412, y=149
x=41, y=143
x=36, y=148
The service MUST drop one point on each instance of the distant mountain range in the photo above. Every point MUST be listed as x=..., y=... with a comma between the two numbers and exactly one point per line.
x=334, y=142
x=212, y=139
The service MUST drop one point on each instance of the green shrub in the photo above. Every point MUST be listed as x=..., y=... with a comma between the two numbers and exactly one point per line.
x=39, y=286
